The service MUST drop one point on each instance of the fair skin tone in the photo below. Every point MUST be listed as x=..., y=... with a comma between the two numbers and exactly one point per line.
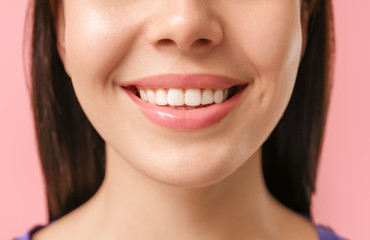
x=163, y=183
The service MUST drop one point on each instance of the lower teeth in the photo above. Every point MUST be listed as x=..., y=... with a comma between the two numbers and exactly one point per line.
x=187, y=107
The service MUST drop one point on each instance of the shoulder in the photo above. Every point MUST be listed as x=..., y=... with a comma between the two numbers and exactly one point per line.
x=24, y=237
x=326, y=233
x=28, y=235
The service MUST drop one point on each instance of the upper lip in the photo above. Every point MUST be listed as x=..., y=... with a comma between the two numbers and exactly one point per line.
x=209, y=81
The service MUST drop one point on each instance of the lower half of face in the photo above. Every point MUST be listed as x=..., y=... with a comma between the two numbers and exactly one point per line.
x=224, y=69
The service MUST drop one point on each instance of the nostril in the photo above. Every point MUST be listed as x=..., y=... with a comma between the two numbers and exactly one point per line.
x=202, y=42
x=165, y=42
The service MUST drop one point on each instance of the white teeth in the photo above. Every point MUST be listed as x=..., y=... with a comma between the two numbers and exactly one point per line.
x=219, y=96
x=143, y=95
x=175, y=97
x=183, y=99
x=151, y=96
x=193, y=97
x=207, y=97
x=161, y=97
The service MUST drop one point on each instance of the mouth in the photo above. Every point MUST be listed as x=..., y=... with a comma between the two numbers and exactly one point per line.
x=185, y=102
x=184, y=99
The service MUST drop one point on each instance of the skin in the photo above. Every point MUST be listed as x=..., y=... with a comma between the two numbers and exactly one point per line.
x=167, y=184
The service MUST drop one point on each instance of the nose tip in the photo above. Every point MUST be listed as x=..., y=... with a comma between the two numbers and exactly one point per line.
x=190, y=27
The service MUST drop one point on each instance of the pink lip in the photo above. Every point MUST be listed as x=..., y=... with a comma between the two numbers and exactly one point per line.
x=186, y=81
x=186, y=119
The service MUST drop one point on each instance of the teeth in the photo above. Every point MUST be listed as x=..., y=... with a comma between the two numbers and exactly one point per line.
x=219, y=96
x=161, y=97
x=183, y=99
x=151, y=96
x=143, y=95
x=175, y=97
x=193, y=97
x=207, y=97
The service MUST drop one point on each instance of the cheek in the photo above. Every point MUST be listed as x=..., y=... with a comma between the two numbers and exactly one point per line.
x=270, y=36
x=270, y=42
x=97, y=40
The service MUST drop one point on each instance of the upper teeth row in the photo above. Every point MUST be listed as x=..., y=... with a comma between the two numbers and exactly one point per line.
x=180, y=97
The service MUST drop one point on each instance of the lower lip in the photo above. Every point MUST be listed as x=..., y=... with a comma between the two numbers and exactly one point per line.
x=186, y=119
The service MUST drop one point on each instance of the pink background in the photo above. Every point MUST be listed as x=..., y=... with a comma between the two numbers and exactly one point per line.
x=343, y=192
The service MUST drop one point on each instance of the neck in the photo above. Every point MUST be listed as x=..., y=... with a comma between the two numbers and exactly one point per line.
x=128, y=202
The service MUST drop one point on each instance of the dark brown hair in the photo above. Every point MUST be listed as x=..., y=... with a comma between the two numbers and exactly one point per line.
x=73, y=154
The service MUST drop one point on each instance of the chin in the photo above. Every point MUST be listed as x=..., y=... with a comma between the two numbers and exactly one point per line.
x=189, y=170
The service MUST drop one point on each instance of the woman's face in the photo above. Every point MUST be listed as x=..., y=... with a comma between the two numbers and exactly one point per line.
x=109, y=46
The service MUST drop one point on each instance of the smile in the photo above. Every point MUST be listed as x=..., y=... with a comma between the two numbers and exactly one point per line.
x=185, y=102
